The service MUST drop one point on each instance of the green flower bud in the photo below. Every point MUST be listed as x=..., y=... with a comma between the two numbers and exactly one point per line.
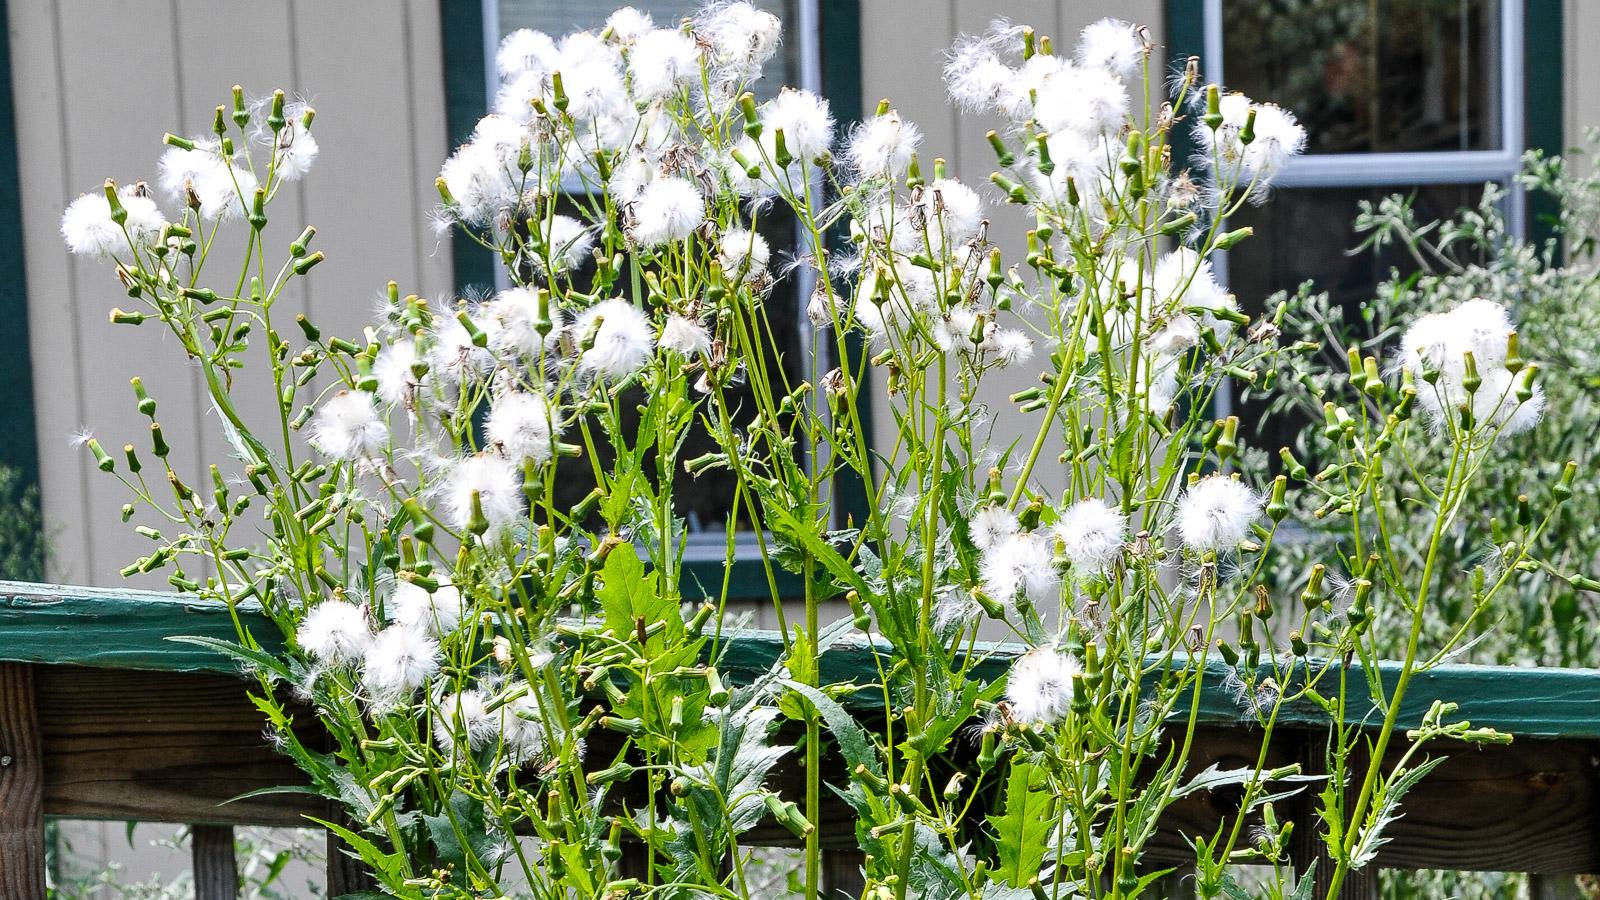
x=1002, y=154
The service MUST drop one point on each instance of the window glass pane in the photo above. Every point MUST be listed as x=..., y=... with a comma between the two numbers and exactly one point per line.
x=557, y=17
x=1306, y=234
x=705, y=503
x=1372, y=76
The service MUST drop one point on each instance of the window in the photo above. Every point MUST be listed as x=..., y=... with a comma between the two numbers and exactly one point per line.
x=1429, y=98
x=821, y=51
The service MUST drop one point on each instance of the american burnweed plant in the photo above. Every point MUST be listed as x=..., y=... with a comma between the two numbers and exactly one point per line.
x=516, y=684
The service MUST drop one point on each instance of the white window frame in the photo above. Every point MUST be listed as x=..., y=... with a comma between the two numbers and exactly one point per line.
x=1356, y=170
x=1359, y=170
x=805, y=34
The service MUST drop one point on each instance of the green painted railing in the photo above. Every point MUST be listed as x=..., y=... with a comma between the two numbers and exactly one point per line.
x=63, y=625
x=104, y=715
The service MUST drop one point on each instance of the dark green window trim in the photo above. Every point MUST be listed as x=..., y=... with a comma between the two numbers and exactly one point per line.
x=1544, y=76
x=19, y=445
x=467, y=100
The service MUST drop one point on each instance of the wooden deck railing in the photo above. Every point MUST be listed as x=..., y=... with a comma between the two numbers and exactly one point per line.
x=103, y=717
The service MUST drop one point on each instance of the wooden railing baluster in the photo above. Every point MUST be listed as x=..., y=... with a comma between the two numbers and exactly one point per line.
x=216, y=869
x=21, y=787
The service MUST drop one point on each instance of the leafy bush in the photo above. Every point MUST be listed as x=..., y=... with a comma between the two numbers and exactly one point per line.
x=23, y=536
x=478, y=566
x=1548, y=617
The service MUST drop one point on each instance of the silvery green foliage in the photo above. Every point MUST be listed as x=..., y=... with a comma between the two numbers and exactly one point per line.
x=466, y=522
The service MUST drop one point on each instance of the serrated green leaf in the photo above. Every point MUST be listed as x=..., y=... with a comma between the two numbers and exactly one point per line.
x=388, y=866
x=627, y=593
x=853, y=742
x=1022, y=831
x=257, y=659
x=1386, y=810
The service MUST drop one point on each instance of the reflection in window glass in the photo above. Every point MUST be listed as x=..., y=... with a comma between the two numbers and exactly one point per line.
x=705, y=503
x=1307, y=235
x=558, y=17
x=1374, y=76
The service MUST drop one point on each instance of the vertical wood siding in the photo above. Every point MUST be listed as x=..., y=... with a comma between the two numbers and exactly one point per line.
x=97, y=82
x=916, y=34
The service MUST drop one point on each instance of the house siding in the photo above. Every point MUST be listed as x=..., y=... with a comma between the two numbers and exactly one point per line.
x=97, y=82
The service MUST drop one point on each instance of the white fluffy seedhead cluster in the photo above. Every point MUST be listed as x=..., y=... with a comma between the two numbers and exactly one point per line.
x=1461, y=359
x=1246, y=143
x=391, y=664
x=1216, y=513
x=1040, y=686
x=204, y=177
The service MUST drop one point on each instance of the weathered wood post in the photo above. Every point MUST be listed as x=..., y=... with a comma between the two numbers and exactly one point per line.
x=216, y=870
x=21, y=787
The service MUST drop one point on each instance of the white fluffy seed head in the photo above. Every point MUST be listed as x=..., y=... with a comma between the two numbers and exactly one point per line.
x=1040, y=686
x=1011, y=346
x=397, y=380
x=685, y=336
x=464, y=716
x=662, y=62
x=180, y=169
x=296, y=147
x=1113, y=45
x=1091, y=533
x=226, y=193
x=1188, y=297
x=668, y=209
x=454, y=358
x=882, y=146
x=522, y=729
x=89, y=229
x=957, y=206
x=1088, y=100
x=622, y=339
x=479, y=181
x=496, y=481
x=524, y=51
x=568, y=242
x=628, y=24
x=398, y=662
x=979, y=67
x=348, y=427
x=1278, y=138
x=742, y=37
x=1216, y=513
x=434, y=614
x=741, y=247
x=805, y=119
x=335, y=632
x=990, y=525
x=511, y=321
x=1021, y=564
x=521, y=427
x=1441, y=341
